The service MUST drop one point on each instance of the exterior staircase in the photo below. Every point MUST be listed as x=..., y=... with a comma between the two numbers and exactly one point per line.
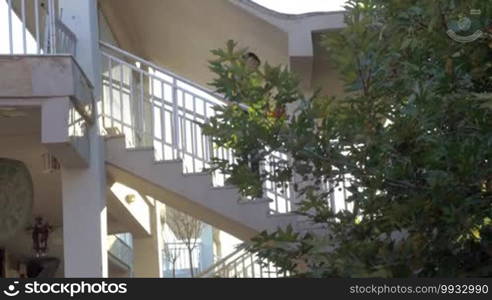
x=151, y=119
x=154, y=144
x=192, y=193
x=242, y=264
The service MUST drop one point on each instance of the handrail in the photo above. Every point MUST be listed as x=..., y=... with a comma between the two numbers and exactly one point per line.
x=165, y=71
x=221, y=261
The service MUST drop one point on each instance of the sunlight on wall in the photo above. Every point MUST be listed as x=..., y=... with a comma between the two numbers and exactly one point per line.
x=139, y=207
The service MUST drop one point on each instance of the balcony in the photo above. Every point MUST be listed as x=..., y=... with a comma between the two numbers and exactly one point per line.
x=37, y=58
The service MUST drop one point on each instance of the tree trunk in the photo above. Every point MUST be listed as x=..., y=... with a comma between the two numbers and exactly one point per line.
x=190, y=255
x=174, y=269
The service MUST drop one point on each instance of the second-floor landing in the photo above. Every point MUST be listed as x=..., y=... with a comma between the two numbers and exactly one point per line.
x=57, y=85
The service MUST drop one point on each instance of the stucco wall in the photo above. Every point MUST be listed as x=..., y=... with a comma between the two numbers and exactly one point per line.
x=325, y=75
x=180, y=34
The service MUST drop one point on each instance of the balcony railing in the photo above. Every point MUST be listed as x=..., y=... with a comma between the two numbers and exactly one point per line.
x=33, y=27
x=179, y=251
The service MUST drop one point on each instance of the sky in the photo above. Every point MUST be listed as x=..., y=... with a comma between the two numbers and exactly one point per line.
x=302, y=6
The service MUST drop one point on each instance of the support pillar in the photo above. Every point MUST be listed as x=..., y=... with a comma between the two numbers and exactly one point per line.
x=84, y=190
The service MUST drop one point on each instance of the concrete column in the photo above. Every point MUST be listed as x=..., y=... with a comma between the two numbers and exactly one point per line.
x=84, y=190
x=147, y=252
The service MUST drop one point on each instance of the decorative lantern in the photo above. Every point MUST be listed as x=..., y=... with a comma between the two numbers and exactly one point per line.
x=40, y=234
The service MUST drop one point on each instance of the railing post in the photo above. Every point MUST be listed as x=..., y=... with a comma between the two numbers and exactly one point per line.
x=251, y=256
x=84, y=191
x=139, y=118
x=52, y=26
x=10, y=27
x=175, y=129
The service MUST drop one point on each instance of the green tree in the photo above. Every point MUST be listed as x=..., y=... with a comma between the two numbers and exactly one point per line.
x=412, y=135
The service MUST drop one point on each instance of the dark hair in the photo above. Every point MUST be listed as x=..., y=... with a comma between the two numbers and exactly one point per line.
x=250, y=56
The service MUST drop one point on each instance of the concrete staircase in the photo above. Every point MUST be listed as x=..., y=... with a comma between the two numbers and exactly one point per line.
x=152, y=119
x=192, y=193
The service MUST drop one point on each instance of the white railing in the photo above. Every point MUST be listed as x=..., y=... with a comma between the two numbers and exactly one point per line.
x=179, y=251
x=282, y=194
x=242, y=264
x=157, y=109
x=33, y=27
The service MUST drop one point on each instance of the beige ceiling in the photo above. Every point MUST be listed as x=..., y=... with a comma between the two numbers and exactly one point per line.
x=180, y=34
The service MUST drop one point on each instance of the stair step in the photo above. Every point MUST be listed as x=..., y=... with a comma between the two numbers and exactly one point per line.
x=196, y=174
x=114, y=137
x=136, y=149
x=225, y=187
x=164, y=162
x=197, y=187
x=282, y=215
x=257, y=201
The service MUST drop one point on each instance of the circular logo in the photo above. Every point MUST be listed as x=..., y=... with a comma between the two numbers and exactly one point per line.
x=465, y=29
x=464, y=24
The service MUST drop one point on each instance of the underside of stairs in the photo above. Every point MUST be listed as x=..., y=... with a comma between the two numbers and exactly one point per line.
x=191, y=193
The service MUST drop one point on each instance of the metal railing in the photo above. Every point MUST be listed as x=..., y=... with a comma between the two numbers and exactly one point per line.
x=179, y=251
x=155, y=108
x=33, y=27
x=120, y=250
x=242, y=264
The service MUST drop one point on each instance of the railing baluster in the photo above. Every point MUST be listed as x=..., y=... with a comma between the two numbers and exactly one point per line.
x=194, y=138
x=10, y=27
x=52, y=24
x=111, y=101
x=150, y=131
x=203, y=137
x=245, y=274
x=24, y=30
x=252, y=265
x=141, y=105
x=184, y=138
x=175, y=120
x=122, y=111
x=36, y=20
x=163, y=122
